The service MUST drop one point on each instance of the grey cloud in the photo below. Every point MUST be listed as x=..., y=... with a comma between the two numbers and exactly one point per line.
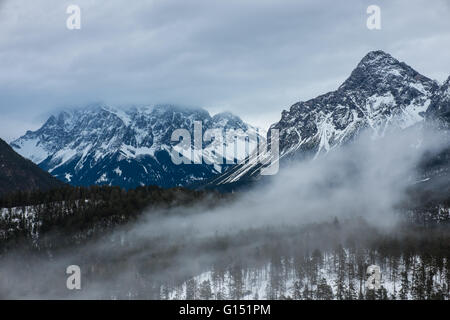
x=253, y=58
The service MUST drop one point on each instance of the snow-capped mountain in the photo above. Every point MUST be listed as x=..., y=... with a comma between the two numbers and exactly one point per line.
x=131, y=146
x=381, y=93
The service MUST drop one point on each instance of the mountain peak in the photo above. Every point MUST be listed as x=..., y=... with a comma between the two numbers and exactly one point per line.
x=378, y=57
x=226, y=115
x=229, y=120
x=380, y=62
x=381, y=94
x=378, y=70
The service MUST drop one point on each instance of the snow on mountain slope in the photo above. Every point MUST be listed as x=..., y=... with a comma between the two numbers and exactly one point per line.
x=130, y=146
x=380, y=94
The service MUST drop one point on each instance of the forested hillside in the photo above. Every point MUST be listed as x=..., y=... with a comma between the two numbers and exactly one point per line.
x=328, y=261
x=74, y=214
x=136, y=244
x=20, y=174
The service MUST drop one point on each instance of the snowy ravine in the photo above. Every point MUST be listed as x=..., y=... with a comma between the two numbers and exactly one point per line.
x=381, y=94
x=131, y=146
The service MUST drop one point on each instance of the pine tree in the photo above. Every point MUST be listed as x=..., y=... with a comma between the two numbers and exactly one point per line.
x=404, y=286
x=324, y=290
x=297, y=294
x=205, y=292
x=341, y=272
x=419, y=283
x=191, y=289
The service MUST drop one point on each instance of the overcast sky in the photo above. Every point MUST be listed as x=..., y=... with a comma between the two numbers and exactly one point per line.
x=251, y=57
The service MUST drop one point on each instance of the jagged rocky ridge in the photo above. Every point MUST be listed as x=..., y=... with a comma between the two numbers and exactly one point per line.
x=380, y=94
x=128, y=147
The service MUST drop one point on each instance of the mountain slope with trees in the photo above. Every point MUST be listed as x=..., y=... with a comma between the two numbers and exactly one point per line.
x=20, y=174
